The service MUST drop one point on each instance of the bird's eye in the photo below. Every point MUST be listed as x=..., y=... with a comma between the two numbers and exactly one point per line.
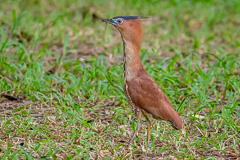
x=119, y=21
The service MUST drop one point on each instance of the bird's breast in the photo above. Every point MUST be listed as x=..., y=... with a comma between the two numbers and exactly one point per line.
x=129, y=98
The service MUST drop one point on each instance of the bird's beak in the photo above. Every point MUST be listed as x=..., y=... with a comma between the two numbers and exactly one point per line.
x=110, y=21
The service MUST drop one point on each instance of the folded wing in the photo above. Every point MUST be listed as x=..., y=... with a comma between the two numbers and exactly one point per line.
x=146, y=94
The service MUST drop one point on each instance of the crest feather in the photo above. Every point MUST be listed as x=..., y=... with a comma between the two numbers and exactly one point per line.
x=131, y=17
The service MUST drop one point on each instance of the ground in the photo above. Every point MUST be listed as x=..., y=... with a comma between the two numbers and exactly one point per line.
x=61, y=79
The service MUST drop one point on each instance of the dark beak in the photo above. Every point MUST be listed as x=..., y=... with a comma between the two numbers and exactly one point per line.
x=110, y=21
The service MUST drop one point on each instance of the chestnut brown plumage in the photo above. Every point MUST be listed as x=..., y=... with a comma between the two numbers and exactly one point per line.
x=142, y=92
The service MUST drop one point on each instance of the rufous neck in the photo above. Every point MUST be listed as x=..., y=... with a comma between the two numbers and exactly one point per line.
x=132, y=61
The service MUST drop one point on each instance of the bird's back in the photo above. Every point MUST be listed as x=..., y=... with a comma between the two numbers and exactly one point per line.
x=147, y=95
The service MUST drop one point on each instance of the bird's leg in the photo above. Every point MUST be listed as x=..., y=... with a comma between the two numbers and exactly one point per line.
x=138, y=126
x=148, y=128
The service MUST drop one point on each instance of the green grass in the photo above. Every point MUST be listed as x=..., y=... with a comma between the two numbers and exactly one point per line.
x=64, y=67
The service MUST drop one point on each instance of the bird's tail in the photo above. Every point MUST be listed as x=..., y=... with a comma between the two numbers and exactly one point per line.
x=176, y=121
x=172, y=124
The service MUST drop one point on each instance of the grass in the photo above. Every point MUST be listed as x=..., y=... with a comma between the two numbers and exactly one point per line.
x=61, y=79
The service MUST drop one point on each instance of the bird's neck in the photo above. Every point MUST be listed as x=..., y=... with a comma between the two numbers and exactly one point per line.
x=131, y=62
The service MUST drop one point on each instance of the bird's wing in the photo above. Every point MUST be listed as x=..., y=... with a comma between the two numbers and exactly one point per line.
x=146, y=94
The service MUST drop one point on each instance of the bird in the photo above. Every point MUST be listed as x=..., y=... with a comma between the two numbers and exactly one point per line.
x=142, y=93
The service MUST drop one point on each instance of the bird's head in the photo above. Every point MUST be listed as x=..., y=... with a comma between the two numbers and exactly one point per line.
x=129, y=27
